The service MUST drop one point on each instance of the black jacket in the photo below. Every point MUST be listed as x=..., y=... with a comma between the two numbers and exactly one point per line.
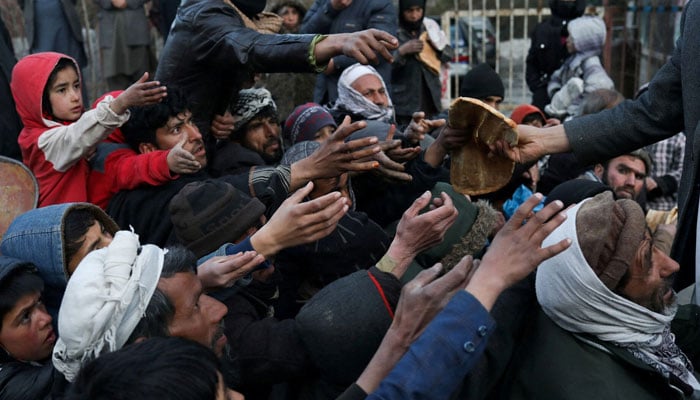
x=547, y=51
x=413, y=86
x=210, y=54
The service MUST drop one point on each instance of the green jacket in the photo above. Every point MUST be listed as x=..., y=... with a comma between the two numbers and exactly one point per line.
x=555, y=364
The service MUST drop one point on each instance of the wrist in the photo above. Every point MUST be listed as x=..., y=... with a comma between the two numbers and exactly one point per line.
x=263, y=243
x=486, y=286
x=300, y=173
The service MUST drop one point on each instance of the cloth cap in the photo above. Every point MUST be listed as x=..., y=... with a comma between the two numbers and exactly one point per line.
x=523, y=111
x=609, y=234
x=207, y=214
x=104, y=301
x=250, y=103
x=299, y=152
x=644, y=156
x=481, y=82
x=307, y=119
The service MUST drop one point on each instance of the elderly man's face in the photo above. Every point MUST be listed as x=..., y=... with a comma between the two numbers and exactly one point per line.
x=650, y=277
x=197, y=316
x=625, y=174
x=372, y=89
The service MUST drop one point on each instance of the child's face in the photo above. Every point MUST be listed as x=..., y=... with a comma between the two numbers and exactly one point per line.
x=27, y=334
x=65, y=96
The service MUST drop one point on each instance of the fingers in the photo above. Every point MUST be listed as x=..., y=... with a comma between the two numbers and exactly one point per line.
x=384, y=44
x=392, y=131
x=395, y=175
x=456, y=278
x=418, y=204
x=143, y=78
x=388, y=163
x=300, y=194
x=426, y=276
x=524, y=211
x=346, y=128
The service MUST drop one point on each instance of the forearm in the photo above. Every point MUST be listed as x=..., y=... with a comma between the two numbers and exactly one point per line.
x=435, y=363
x=390, y=351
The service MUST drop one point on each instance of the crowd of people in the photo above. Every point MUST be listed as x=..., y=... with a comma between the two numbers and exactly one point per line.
x=266, y=213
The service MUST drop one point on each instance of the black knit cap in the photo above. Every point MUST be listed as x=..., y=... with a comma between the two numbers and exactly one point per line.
x=481, y=82
x=207, y=214
x=406, y=4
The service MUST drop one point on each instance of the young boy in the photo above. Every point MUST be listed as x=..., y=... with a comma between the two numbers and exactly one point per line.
x=582, y=72
x=26, y=335
x=58, y=137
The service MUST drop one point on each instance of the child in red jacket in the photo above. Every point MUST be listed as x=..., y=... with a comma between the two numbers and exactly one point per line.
x=58, y=136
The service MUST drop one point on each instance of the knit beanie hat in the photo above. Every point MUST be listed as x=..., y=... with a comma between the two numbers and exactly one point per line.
x=406, y=4
x=523, y=110
x=575, y=191
x=343, y=324
x=481, y=82
x=250, y=103
x=307, y=119
x=609, y=234
x=209, y=213
x=104, y=301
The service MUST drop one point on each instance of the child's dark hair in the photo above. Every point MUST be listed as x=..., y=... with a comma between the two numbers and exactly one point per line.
x=75, y=225
x=62, y=64
x=533, y=117
x=17, y=284
x=144, y=121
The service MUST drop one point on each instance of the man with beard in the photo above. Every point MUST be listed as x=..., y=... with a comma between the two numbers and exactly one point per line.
x=624, y=174
x=607, y=303
x=215, y=47
x=255, y=139
x=169, y=123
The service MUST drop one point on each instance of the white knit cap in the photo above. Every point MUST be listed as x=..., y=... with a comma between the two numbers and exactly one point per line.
x=104, y=301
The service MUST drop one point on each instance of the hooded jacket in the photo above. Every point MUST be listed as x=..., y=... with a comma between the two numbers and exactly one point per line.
x=55, y=152
x=21, y=380
x=548, y=50
x=37, y=236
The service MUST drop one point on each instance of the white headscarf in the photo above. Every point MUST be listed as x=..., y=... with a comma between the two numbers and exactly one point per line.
x=577, y=301
x=353, y=101
x=104, y=301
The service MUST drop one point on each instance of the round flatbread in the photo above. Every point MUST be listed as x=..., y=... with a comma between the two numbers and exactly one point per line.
x=473, y=170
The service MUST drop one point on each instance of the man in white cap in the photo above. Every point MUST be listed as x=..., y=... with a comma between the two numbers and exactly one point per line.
x=603, y=328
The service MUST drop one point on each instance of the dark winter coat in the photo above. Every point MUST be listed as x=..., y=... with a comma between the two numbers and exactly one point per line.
x=210, y=54
x=548, y=49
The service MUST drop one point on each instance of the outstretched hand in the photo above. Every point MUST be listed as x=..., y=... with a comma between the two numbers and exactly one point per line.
x=363, y=46
x=336, y=156
x=417, y=232
x=141, y=93
x=296, y=222
x=224, y=271
x=222, y=126
x=517, y=249
x=181, y=161
x=533, y=143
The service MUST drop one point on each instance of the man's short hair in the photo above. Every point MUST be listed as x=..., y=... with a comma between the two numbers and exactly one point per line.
x=160, y=310
x=157, y=368
x=144, y=121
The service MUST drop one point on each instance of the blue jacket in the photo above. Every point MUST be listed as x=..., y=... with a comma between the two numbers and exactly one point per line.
x=360, y=15
x=36, y=236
